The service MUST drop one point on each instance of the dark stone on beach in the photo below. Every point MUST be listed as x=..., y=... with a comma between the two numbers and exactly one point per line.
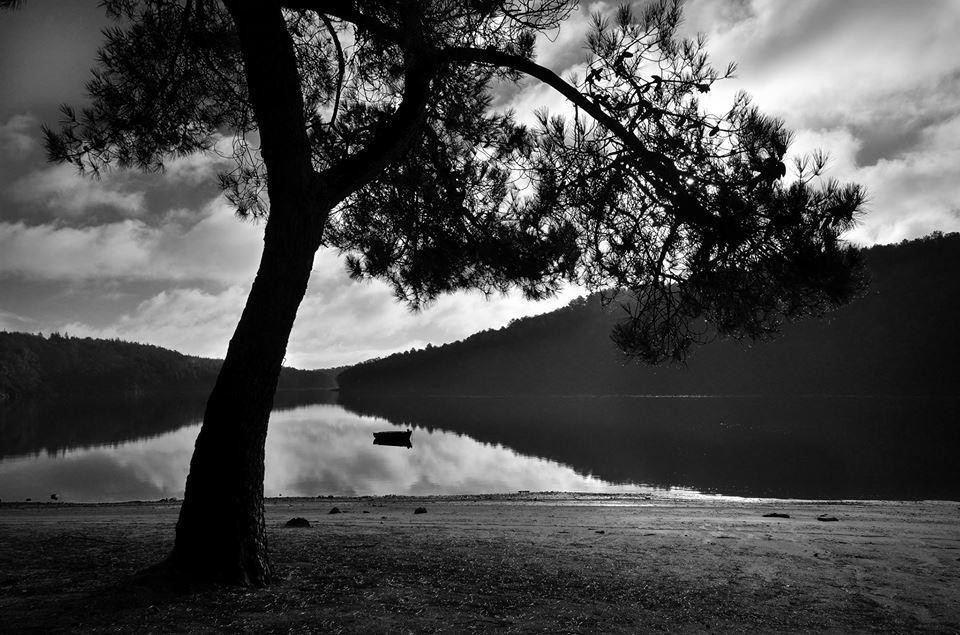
x=827, y=519
x=335, y=510
x=366, y=511
x=420, y=510
x=298, y=522
x=776, y=515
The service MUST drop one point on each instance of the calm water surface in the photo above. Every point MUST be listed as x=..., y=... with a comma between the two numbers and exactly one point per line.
x=789, y=447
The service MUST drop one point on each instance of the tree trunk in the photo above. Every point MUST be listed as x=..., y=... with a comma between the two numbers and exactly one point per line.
x=220, y=534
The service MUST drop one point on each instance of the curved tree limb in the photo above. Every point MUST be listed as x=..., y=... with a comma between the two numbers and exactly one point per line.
x=390, y=140
x=347, y=10
x=286, y=149
x=341, y=66
x=665, y=174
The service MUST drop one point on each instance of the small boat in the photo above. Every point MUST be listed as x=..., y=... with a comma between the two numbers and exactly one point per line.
x=397, y=438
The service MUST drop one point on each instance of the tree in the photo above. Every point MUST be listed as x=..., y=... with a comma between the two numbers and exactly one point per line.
x=370, y=126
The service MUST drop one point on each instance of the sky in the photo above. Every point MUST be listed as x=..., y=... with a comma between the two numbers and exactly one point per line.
x=163, y=260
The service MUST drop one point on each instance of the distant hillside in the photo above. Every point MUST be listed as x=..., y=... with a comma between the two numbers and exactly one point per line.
x=31, y=426
x=34, y=365
x=902, y=337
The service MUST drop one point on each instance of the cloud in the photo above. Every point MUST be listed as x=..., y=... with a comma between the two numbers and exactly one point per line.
x=12, y=322
x=209, y=260
x=538, y=96
x=339, y=322
x=217, y=248
x=35, y=190
x=822, y=64
x=911, y=194
x=876, y=83
x=343, y=321
x=200, y=167
x=61, y=189
x=47, y=251
x=188, y=320
x=16, y=139
x=563, y=51
x=565, y=47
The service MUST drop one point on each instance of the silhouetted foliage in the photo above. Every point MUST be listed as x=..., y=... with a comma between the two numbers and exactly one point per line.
x=640, y=190
x=899, y=338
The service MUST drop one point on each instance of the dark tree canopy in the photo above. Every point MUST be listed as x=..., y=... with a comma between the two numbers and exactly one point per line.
x=640, y=190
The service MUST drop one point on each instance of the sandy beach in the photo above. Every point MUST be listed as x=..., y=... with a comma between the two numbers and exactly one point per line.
x=525, y=562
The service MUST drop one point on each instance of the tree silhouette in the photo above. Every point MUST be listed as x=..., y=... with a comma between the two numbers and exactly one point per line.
x=370, y=126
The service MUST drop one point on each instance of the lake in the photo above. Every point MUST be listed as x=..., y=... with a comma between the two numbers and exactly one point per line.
x=321, y=444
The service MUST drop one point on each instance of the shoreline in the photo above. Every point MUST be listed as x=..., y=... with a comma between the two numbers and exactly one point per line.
x=523, y=496
x=511, y=562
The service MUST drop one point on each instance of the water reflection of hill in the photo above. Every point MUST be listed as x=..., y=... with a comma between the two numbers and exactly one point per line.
x=781, y=447
x=30, y=426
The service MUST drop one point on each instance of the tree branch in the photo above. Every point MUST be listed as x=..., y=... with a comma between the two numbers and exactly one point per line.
x=392, y=139
x=341, y=66
x=666, y=177
x=347, y=10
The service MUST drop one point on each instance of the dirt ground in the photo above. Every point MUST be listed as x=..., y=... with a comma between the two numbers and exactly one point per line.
x=527, y=562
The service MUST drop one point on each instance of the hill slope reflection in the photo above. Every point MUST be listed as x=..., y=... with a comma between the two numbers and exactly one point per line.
x=54, y=426
x=784, y=447
x=802, y=447
x=311, y=450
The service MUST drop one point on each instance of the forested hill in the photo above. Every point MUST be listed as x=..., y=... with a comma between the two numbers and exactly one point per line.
x=34, y=365
x=902, y=337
